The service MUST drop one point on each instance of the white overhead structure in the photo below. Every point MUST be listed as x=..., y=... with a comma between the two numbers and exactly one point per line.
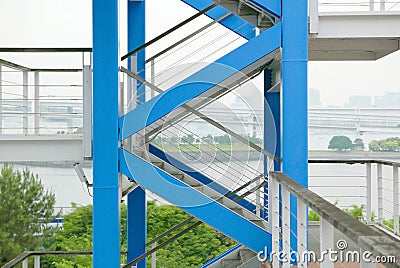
x=352, y=35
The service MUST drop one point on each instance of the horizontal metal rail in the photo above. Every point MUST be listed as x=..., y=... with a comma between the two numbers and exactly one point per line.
x=48, y=49
x=188, y=37
x=27, y=254
x=27, y=69
x=354, y=161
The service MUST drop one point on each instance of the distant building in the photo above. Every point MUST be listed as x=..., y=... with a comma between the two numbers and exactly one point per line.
x=314, y=98
x=358, y=102
x=389, y=100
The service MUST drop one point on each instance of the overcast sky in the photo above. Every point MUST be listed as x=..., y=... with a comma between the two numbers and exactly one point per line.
x=56, y=23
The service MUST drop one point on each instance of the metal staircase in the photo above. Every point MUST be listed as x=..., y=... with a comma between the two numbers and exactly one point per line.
x=240, y=215
x=194, y=75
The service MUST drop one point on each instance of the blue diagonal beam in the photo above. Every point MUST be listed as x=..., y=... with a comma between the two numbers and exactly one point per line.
x=205, y=79
x=199, y=176
x=194, y=202
x=271, y=6
x=232, y=22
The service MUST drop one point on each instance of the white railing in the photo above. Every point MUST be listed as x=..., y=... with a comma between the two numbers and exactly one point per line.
x=365, y=244
x=345, y=6
x=375, y=191
x=46, y=101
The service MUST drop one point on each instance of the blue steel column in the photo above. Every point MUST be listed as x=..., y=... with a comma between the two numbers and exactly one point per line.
x=294, y=97
x=136, y=225
x=106, y=192
x=272, y=127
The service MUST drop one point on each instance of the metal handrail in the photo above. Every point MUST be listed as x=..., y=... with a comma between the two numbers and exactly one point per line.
x=136, y=50
x=26, y=254
x=190, y=227
x=354, y=161
x=362, y=234
x=27, y=69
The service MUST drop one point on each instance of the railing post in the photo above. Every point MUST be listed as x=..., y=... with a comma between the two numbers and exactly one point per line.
x=301, y=232
x=152, y=77
x=131, y=95
x=382, y=5
x=154, y=256
x=314, y=17
x=25, y=263
x=286, y=225
x=380, y=193
x=36, y=261
x=87, y=111
x=1, y=100
x=369, y=193
x=25, y=102
x=371, y=5
x=273, y=216
x=326, y=242
x=396, y=199
x=36, y=102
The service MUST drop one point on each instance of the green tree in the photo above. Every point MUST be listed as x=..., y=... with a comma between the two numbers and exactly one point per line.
x=374, y=146
x=77, y=235
x=190, y=250
x=340, y=143
x=390, y=145
x=25, y=211
x=358, y=144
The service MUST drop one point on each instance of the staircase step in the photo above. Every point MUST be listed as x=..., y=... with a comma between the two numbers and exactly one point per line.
x=259, y=223
x=158, y=164
x=238, y=210
x=230, y=263
x=179, y=176
x=246, y=254
x=197, y=203
x=139, y=152
x=244, y=10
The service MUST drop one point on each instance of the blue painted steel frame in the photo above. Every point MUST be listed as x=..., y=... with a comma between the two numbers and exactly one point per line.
x=198, y=176
x=136, y=202
x=272, y=126
x=221, y=256
x=200, y=82
x=106, y=192
x=294, y=98
x=195, y=203
x=232, y=22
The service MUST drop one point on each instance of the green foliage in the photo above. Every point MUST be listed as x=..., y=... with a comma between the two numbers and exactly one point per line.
x=225, y=139
x=388, y=145
x=25, y=211
x=77, y=235
x=355, y=211
x=313, y=216
x=190, y=250
x=340, y=143
x=358, y=145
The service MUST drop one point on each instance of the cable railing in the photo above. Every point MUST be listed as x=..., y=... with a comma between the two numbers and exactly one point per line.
x=369, y=185
x=178, y=230
x=224, y=168
x=345, y=238
x=44, y=101
x=358, y=5
x=182, y=57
